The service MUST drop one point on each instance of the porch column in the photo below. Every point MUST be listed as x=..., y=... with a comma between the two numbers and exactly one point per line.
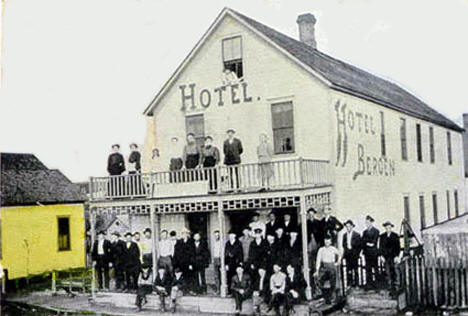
x=305, y=254
x=92, y=220
x=155, y=232
x=222, y=234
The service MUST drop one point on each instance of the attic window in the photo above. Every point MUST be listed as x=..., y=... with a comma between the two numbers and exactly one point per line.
x=232, y=56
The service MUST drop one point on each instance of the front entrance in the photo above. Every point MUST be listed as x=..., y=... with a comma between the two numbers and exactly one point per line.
x=198, y=223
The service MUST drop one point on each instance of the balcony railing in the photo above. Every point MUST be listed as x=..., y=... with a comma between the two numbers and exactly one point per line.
x=276, y=175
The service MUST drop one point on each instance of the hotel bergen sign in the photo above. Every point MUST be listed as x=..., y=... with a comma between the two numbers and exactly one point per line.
x=193, y=98
x=349, y=121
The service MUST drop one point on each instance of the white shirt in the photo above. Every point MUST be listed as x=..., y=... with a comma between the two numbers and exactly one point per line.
x=1, y=271
x=349, y=239
x=147, y=246
x=256, y=225
x=100, y=247
x=327, y=255
x=166, y=248
x=217, y=248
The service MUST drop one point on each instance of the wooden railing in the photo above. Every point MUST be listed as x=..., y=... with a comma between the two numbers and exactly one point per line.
x=284, y=174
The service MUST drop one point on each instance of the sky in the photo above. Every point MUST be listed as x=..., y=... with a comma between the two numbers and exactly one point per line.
x=77, y=74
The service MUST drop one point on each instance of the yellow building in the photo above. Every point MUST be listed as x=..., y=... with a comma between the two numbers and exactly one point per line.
x=42, y=218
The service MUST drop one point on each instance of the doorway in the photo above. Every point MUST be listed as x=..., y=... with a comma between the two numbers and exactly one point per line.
x=198, y=223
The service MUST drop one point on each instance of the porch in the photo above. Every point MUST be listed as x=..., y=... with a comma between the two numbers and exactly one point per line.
x=252, y=177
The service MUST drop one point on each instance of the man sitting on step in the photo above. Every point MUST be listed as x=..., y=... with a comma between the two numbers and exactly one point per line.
x=240, y=287
x=261, y=290
x=177, y=288
x=162, y=286
x=145, y=286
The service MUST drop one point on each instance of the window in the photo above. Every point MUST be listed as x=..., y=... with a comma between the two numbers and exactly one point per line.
x=422, y=211
x=418, y=143
x=232, y=55
x=448, y=204
x=283, y=127
x=195, y=124
x=431, y=144
x=455, y=201
x=434, y=208
x=406, y=205
x=382, y=134
x=449, y=148
x=404, y=151
x=63, y=233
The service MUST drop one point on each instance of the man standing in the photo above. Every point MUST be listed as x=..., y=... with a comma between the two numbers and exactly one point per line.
x=292, y=250
x=288, y=226
x=328, y=259
x=232, y=149
x=184, y=253
x=166, y=252
x=217, y=260
x=240, y=287
x=115, y=167
x=246, y=240
x=101, y=255
x=257, y=252
x=256, y=223
x=147, y=248
x=139, y=242
x=176, y=163
x=200, y=263
x=272, y=224
x=233, y=256
x=370, y=237
x=209, y=159
x=272, y=254
x=316, y=226
x=351, y=250
x=131, y=259
x=389, y=248
x=135, y=184
x=332, y=224
x=117, y=253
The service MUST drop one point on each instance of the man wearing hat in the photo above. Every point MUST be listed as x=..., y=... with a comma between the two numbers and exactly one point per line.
x=184, y=253
x=389, y=249
x=209, y=159
x=332, y=224
x=287, y=224
x=162, y=286
x=257, y=252
x=131, y=259
x=232, y=149
x=233, y=256
x=117, y=251
x=101, y=255
x=292, y=249
x=370, y=237
x=240, y=287
x=351, y=250
x=115, y=167
x=272, y=223
x=201, y=261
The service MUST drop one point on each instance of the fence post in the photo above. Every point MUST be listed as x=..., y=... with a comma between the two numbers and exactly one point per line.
x=301, y=171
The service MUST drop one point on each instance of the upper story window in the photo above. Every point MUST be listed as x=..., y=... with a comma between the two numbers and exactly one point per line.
x=455, y=202
x=434, y=208
x=382, y=135
x=431, y=144
x=63, y=224
x=404, y=149
x=422, y=210
x=196, y=124
x=418, y=143
x=449, y=148
x=283, y=127
x=232, y=56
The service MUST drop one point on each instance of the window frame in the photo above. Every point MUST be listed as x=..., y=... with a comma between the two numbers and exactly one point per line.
x=234, y=61
x=455, y=202
x=419, y=153
x=431, y=145
x=199, y=140
x=403, y=139
x=422, y=211
x=59, y=245
x=449, y=148
x=447, y=195
x=435, y=211
x=291, y=127
x=383, y=148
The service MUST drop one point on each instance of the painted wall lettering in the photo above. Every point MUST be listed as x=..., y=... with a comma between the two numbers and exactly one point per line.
x=235, y=93
x=373, y=166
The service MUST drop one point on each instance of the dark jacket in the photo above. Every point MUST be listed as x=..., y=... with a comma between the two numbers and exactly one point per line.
x=257, y=253
x=265, y=292
x=131, y=255
x=355, y=244
x=233, y=254
x=332, y=227
x=389, y=246
x=117, y=252
x=135, y=157
x=115, y=164
x=288, y=228
x=318, y=228
x=292, y=253
x=271, y=228
x=232, y=152
x=243, y=284
x=184, y=253
x=370, y=238
x=201, y=255
x=165, y=281
x=272, y=255
x=107, y=247
x=180, y=283
x=298, y=284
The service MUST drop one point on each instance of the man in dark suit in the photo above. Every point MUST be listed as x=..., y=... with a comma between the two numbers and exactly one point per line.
x=389, y=249
x=332, y=224
x=240, y=287
x=233, y=150
x=272, y=224
x=288, y=225
x=316, y=226
x=292, y=249
x=370, y=237
x=257, y=252
x=131, y=259
x=261, y=290
x=102, y=255
x=233, y=256
x=351, y=251
x=115, y=167
x=184, y=253
x=117, y=252
x=162, y=286
x=200, y=263
x=295, y=289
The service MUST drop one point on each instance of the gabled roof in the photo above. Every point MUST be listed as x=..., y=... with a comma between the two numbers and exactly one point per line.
x=336, y=74
x=25, y=180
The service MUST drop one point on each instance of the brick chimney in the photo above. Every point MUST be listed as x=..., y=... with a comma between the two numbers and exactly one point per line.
x=465, y=141
x=306, y=23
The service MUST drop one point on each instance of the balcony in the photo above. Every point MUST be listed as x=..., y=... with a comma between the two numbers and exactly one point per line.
x=251, y=177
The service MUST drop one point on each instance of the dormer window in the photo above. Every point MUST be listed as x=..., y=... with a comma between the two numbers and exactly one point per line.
x=232, y=58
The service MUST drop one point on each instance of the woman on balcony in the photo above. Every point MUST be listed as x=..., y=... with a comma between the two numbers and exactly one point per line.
x=191, y=157
x=265, y=154
x=209, y=159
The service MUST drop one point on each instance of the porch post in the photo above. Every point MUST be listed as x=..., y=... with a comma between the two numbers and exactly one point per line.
x=305, y=254
x=222, y=234
x=155, y=232
x=92, y=219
